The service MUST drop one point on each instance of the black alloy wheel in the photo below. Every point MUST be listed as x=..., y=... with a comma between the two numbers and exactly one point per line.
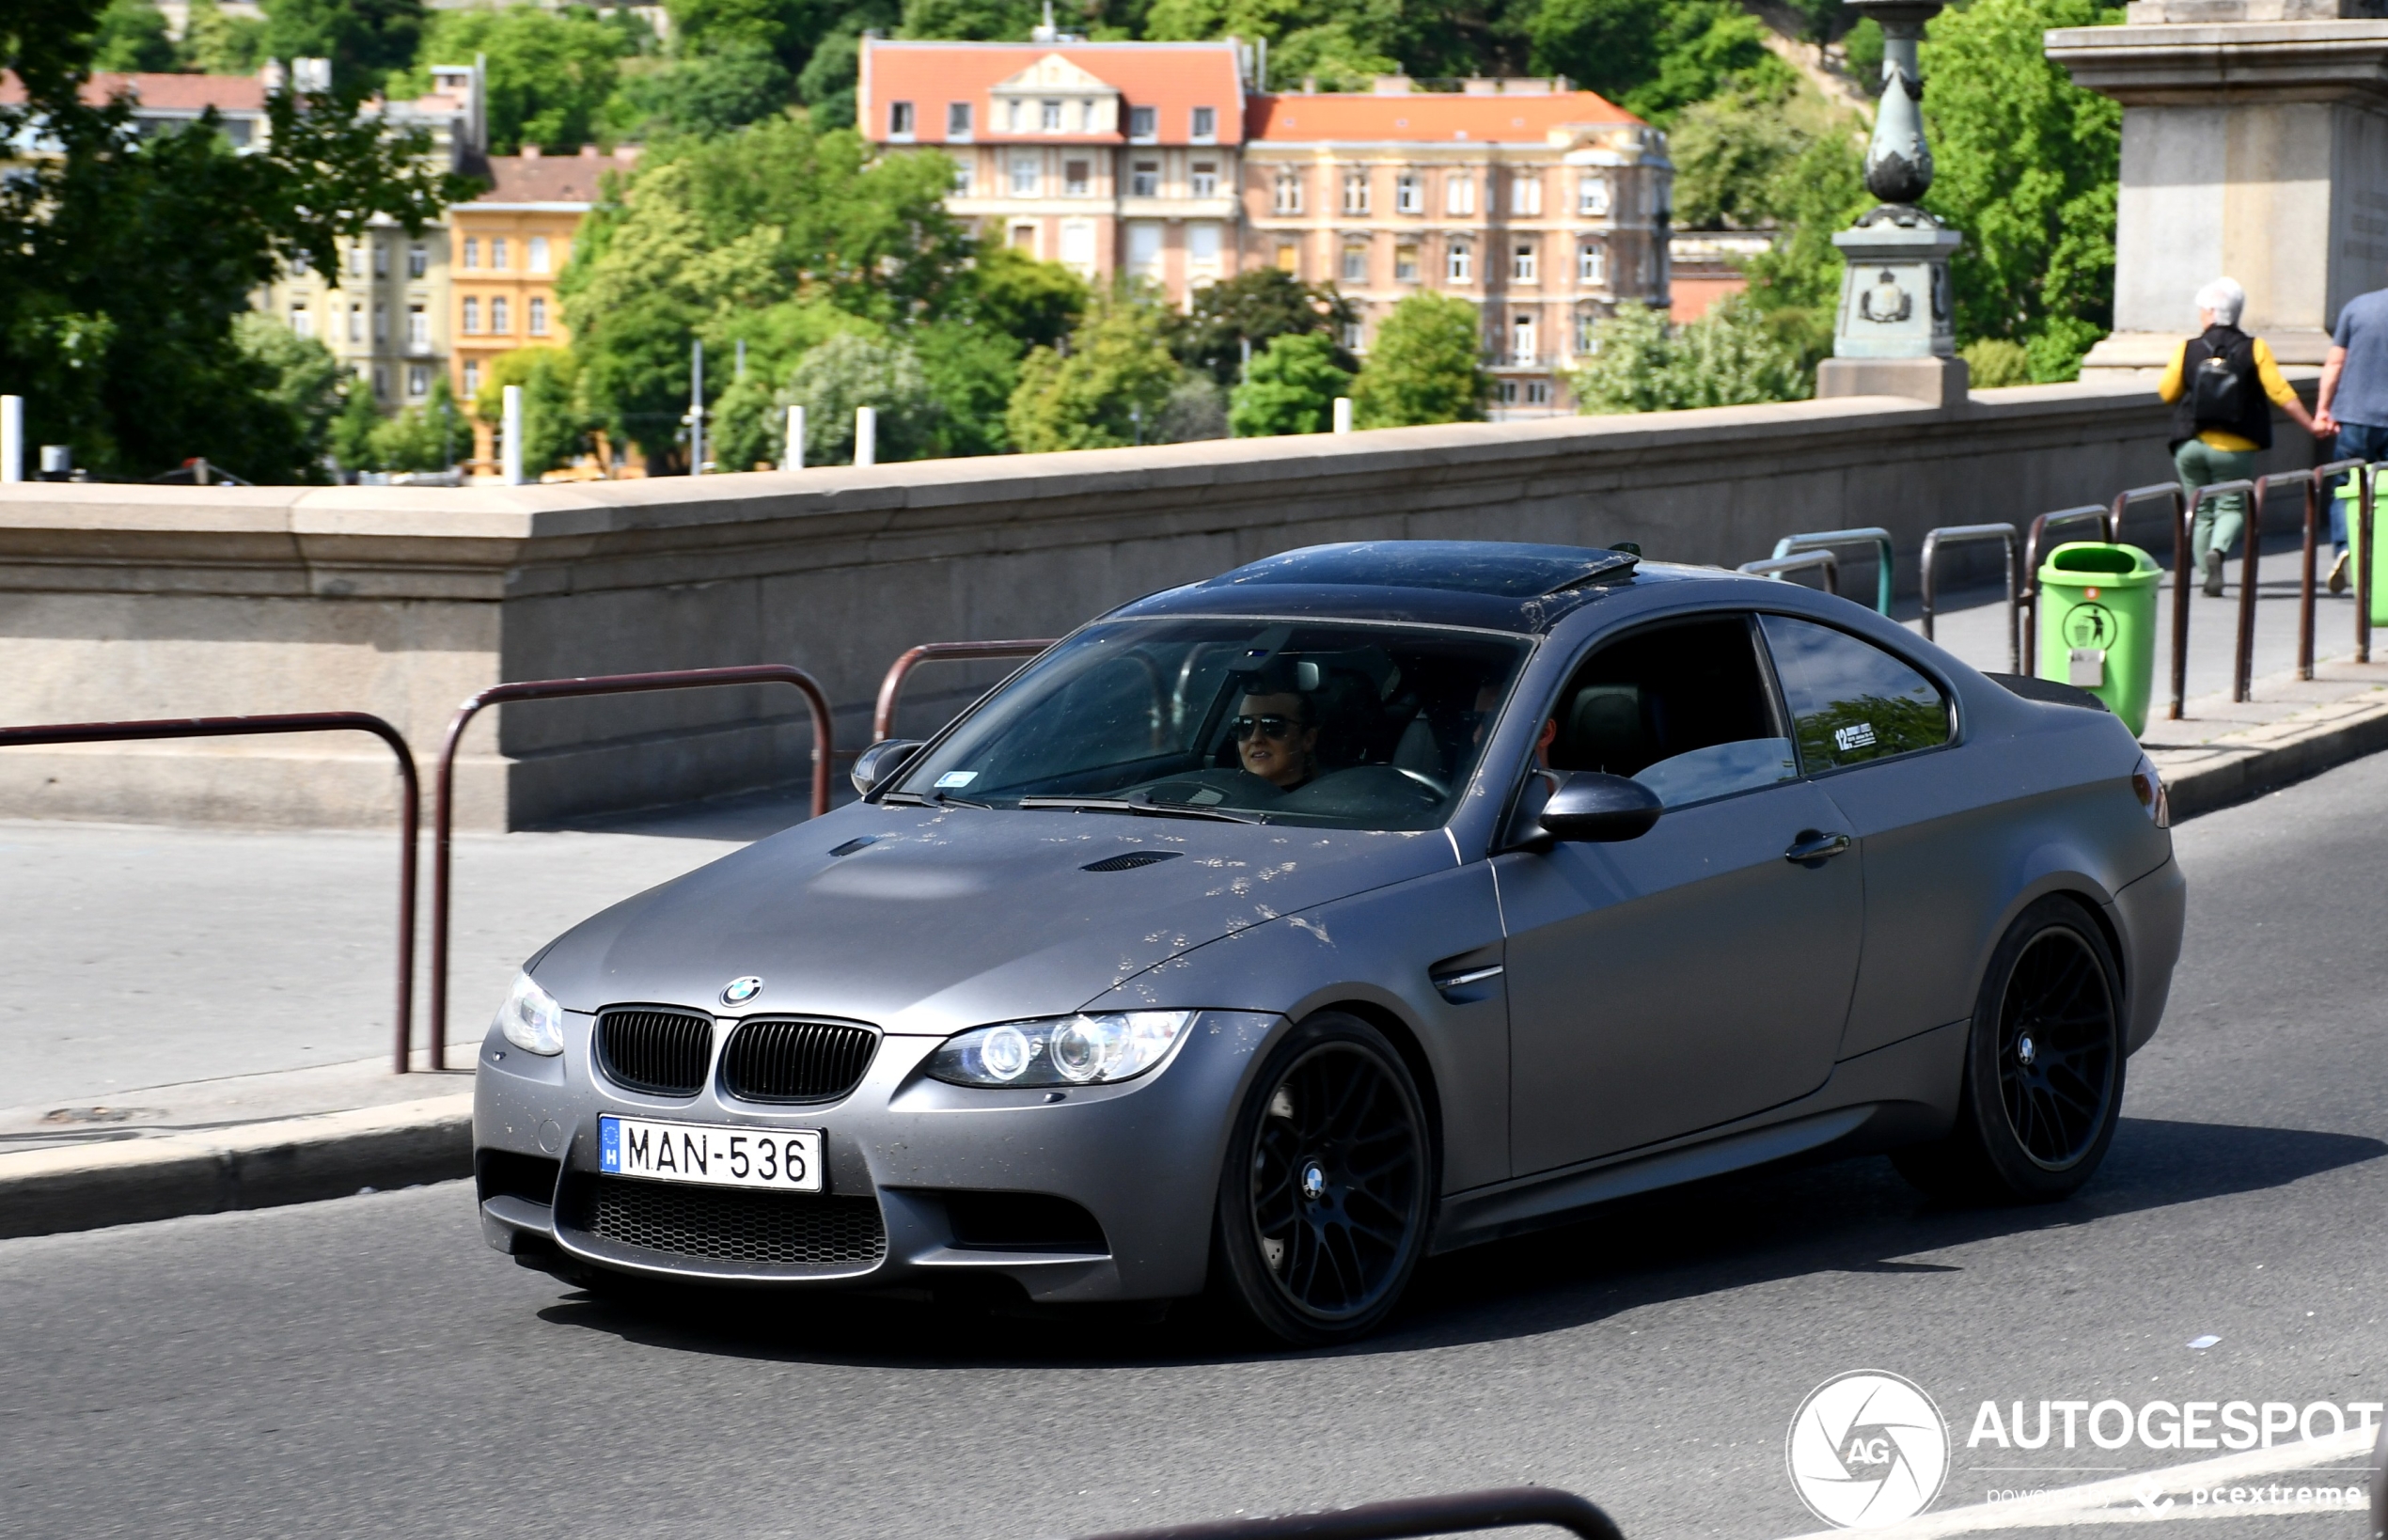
x=1325, y=1198
x=2043, y=1076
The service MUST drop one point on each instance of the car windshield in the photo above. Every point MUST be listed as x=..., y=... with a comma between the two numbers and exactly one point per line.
x=1344, y=726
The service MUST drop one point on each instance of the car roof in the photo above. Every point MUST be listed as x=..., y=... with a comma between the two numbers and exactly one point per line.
x=1492, y=585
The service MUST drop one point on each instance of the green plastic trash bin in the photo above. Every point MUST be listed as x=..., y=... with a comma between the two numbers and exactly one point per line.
x=2098, y=624
x=2349, y=503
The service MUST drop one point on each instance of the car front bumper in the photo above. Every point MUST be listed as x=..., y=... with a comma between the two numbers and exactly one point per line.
x=946, y=1169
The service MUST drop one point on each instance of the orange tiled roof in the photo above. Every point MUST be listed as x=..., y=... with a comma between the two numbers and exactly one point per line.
x=552, y=179
x=162, y=92
x=1173, y=77
x=1424, y=116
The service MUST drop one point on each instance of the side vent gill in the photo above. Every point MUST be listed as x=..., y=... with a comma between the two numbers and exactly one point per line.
x=1130, y=861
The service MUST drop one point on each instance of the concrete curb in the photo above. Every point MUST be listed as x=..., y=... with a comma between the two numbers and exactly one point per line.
x=2246, y=765
x=289, y=1161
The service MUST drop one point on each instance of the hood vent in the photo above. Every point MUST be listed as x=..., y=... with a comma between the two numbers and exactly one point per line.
x=1130, y=861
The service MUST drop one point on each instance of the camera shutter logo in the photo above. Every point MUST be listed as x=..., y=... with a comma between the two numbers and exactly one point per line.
x=1867, y=1449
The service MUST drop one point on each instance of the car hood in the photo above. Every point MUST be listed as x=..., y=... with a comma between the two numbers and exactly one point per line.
x=949, y=918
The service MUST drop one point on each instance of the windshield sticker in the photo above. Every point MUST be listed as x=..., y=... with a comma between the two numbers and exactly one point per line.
x=955, y=779
x=1845, y=738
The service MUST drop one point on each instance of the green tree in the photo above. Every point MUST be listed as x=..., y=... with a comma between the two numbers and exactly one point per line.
x=1110, y=388
x=353, y=429
x=1343, y=44
x=1735, y=155
x=2028, y=166
x=554, y=427
x=852, y=371
x=829, y=80
x=969, y=21
x=552, y=74
x=1196, y=409
x=217, y=44
x=1426, y=366
x=971, y=369
x=715, y=92
x=306, y=381
x=1639, y=362
x=367, y=41
x=1256, y=306
x=131, y=37
x=1993, y=363
x=1290, y=388
x=421, y=438
x=1798, y=284
x=1653, y=57
x=1010, y=293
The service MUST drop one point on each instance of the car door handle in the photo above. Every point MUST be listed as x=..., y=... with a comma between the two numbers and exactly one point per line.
x=1814, y=845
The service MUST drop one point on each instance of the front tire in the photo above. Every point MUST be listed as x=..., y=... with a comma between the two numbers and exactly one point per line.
x=2043, y=1084
x=1328, y=1186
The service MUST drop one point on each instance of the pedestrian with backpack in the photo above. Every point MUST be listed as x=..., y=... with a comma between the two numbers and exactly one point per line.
x=2223, y=385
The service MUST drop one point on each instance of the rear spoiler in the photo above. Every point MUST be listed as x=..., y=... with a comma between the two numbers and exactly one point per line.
x=2049, y=691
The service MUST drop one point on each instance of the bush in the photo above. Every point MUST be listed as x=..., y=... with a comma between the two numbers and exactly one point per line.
x=1640, y=362
x=850, y=371
x=1291, y=388
x=1993, y=363
x=1108, y=390
x=1427, y=367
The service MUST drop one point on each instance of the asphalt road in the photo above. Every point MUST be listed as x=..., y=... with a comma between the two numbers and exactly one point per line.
x=365, y=1367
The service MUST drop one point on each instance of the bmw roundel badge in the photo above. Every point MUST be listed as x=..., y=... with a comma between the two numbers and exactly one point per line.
x=739, y=991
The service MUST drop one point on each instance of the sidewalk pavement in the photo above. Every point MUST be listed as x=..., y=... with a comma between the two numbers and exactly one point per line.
x=199, y=1018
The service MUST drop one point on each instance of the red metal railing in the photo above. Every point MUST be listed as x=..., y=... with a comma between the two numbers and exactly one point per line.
x=315, y=721
x=1937, y=541
x=824, y=748
x=883, y=719
x=2243, y=676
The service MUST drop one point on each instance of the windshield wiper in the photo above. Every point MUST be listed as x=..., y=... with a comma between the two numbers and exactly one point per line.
x=1147, y=809
x=914, y=800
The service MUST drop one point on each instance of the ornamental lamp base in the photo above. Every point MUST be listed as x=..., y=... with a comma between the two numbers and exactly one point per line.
x=1894, y=293
x=1934, y=382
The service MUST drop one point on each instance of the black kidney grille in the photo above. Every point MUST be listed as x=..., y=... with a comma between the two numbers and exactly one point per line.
x=1130, y=861
x=664, y=1053
x=771, y=1060
x=725, y=1224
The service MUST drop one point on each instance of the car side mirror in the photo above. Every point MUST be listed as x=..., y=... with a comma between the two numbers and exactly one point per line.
x=1601, y=809
x=877, y=765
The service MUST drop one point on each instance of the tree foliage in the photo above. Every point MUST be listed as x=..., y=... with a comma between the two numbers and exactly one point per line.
x=555, y=429
x=215, y=43
x=131, y=37
x=367, y=41
x=711, y=93
x=1290, y=388
x=1640, y=362
x=553, y=74
x=1426, y=366
x=1255, y=308
x=1653, y=57
x=1108, y=390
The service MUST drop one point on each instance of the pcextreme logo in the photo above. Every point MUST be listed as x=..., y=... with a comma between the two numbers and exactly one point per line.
x=1867, y=1449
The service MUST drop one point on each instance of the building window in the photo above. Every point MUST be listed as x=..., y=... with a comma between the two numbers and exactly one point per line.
x=1049, y=117
x=356, y=323
x=499, y=322
x=1537, y=392
x=1355, y=192
x=1289, y=194
x=1525, y=194
x=538, y=316
x=1203, y=180
x=1521, y=262
x=356, y=261
x=1354, y=332
x=539, y=254
x=380, y=261
x=1586, y=342
x=302, y=322
x=1405, y=264
x=472, y=251
x=497, y=252
x=1144, y=249
x=1024, y=168
x=1460, y=263
x=1012, y=110
x=381, y=382
x=418, y=329
x=962, y=176
x=1201, y=247
x=1507, y=393
x=1078, y=246
x=1024, y=239
x=1521, y=339
x=1355, y=261
x=1143, y=123
x=381, y=322
x=1205, y=124
x=1592, y=262
x=899, y=119
x=472, y=378
x=1409, y=196
x=957, y=119
x=1459, y=194
x=299, y=263
x=471, y=315
x=1086, y=116
x=419, y=381
x=1145, y=179
x=1289, y=258
x=419, y=261
x=1591, y=198
x=1078, y=178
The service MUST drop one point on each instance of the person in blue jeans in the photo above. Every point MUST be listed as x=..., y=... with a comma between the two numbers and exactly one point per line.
x=2353, y=402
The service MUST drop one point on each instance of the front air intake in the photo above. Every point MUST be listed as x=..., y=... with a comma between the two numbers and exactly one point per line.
x=663, y=1053
x=780, y=1060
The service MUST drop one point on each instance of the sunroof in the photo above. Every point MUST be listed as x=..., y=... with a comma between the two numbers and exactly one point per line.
x=1509, y=571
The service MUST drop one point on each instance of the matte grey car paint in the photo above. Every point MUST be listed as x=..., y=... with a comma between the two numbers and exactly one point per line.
x=1683, y=1004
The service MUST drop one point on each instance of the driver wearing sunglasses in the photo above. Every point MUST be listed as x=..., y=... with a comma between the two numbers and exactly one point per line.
x=1274, y=739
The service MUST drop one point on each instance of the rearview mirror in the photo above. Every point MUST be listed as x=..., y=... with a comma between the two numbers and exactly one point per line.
x=1599, y=808
x=879, y=763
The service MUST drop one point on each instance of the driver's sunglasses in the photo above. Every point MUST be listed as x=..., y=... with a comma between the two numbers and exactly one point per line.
x=1271, y=726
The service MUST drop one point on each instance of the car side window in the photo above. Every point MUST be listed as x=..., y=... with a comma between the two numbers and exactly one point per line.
x=1681, y=707
x=1850, y=701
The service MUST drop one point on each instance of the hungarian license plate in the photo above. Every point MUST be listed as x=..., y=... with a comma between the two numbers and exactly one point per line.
x=788, y=1160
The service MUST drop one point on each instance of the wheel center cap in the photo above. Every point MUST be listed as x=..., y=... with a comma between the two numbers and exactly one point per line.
x=1313, y=1182
x=2026, y=1051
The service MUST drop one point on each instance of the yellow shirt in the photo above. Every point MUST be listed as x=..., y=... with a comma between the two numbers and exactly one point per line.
x=2267, y=370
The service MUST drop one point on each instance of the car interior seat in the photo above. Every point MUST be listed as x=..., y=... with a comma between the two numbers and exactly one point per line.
x=1603, y=729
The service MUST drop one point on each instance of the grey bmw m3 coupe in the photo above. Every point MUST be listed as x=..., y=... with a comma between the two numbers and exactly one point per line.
x=1270, y=934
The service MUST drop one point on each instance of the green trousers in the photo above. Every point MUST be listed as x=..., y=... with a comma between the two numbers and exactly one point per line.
x=2220, y=521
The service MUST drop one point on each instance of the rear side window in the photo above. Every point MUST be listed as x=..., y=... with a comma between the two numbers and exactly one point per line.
x=1850, y=701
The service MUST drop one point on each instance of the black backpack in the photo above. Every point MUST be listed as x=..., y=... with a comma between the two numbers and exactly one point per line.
x=2223, y=385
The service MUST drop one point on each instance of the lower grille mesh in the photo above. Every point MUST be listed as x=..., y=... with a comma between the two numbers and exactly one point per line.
x=663, y=1053
x=727, y=1225
x=797, y=1061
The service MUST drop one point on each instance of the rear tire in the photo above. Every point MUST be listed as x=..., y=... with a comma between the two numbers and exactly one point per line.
x=2043, y=1085
x=1327, y=1190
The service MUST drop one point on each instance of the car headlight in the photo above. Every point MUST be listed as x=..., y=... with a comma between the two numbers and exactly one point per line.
x=2148, y=787
x=1080, y=1050
x=531, y=1018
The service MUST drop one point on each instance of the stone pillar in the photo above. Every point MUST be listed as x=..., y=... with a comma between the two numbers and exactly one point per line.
x=1893, y=335
x=2254, y=144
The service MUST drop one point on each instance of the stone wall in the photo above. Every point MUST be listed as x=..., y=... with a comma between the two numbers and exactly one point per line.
x=132, y=602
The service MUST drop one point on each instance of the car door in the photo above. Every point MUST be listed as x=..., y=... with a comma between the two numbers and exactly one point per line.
x=1701, y=973
x=1873, y=731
